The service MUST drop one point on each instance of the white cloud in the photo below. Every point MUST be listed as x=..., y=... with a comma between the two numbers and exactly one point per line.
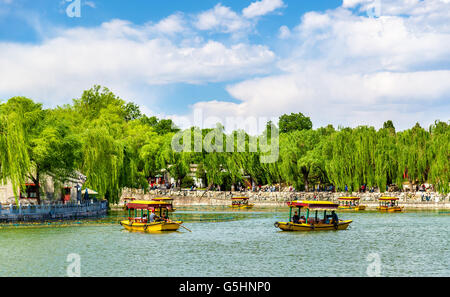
x=262, y=7
x=121, y=56
x=340, y=66
x=340, y=99
x=171, y=25
x=284, y=32
x=222, y=19
x=345, y=68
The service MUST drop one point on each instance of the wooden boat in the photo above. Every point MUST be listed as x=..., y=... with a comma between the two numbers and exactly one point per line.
x=350, y=203
x=241, y=203
x=167, y=200
x=311, y=221
x=142, y=224
x=389, y=204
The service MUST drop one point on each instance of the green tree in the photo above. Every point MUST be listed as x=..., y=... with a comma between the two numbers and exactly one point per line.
x=36, y=143
x=389, y=125
x=439, y=156
x=294, y=122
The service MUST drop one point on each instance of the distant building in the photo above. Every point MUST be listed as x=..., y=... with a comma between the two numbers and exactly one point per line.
x=65, y=193
x=165, y=178
x=199, y=183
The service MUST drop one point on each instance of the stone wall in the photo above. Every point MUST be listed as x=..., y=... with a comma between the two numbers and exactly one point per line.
x=270, y=199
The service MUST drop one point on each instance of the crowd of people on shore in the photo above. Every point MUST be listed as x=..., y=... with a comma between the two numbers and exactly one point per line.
x=425, y=189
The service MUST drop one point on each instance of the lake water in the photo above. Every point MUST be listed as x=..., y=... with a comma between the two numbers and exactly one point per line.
x=226, y=243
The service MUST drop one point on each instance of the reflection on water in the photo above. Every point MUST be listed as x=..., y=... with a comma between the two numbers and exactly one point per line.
x=226, y=242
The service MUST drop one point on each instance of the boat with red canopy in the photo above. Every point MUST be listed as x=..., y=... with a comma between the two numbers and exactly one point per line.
x=350, y=203
x=389, y=204
x=167, y=200
x=150, y=216
x=311, y=221
x=241, y=203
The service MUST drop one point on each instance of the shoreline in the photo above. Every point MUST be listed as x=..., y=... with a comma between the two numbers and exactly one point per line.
x=410, y=201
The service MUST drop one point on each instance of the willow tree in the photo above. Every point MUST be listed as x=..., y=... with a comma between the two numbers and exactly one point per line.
x=177, y=163
x=351, y=157
x=235, y=156
x=439, y=156
x=100, y=122
x=386, y=162
x=35, y=143
x=364, y=140
x=102, y=162
x=142, y=145
x=214, y=146
x=339, y=158
x=292, y=150
x=149, y=152
x=17, y=117
x=413, y=145
x=55, y=151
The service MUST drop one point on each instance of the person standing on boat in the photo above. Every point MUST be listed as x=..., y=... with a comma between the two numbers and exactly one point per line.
x=152, y=216
x=334, y=217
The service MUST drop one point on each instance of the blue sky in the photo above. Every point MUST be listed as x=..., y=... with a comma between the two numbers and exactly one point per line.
x=350, y=62
x=52, y=13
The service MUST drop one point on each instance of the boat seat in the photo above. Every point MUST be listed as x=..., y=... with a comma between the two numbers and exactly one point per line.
x=311, y=221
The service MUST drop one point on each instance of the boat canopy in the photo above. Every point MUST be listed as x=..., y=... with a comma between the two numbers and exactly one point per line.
x=349, y=198
x=150, y=205
x=316, y=205
x=388, y=199
x=240, y=198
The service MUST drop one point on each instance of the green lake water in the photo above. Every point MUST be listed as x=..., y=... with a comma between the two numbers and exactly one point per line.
x=226, y=243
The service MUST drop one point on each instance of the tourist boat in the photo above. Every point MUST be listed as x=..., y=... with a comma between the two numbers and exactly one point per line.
x=350, y=203
x=167, y=200
x=241, y=203
x=312, y=222
x=141, y=223
x=389, y=204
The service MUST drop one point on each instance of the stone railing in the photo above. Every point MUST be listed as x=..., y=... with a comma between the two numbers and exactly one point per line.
x=188, y=197
x=52, y=211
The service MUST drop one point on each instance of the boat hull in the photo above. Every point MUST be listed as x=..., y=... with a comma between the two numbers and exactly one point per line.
x=390, y=209
x=152, y=227
x=342, y=225
x=242, y=207
x=353, y=208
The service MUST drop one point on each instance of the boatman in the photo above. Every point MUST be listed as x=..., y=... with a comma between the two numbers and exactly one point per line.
x=296, y=218
x=334, y=217
x=152, y=216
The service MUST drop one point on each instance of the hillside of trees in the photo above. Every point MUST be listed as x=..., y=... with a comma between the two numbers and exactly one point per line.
x=116, y=146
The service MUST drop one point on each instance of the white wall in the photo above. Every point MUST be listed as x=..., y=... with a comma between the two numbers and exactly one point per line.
x=6, y=192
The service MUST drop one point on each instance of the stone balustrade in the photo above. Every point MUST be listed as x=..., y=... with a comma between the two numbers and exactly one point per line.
x=187, y=197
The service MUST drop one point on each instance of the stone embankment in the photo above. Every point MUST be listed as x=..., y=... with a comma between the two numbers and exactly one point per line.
x=410, y=200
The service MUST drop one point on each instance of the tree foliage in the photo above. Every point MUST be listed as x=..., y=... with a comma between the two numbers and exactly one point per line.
x=116, y=146
x=294, y=122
